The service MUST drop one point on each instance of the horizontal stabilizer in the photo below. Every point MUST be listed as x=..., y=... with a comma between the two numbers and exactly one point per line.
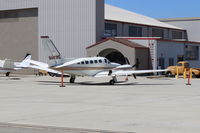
x=44, y=69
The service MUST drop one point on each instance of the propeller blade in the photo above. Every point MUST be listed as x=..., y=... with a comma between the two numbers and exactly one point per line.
x=136, y=64
x=134, y=76
x=110, y=73
x=127, y=61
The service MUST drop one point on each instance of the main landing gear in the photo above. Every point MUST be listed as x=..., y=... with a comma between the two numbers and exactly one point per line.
x=72, y=79
x=7, y=74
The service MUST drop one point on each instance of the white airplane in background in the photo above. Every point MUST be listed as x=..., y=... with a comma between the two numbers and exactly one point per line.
x=89, y=66
x=7, y=66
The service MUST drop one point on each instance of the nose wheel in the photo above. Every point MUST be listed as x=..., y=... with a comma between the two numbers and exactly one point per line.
x=112, y=82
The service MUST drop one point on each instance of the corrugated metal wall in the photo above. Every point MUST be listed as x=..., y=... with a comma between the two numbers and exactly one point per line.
x=71, y=24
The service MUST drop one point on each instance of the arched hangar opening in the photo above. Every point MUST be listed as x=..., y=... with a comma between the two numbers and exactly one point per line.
x=113, y=55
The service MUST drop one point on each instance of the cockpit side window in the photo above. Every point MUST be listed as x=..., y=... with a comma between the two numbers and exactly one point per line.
x=105, y=61
x=82, y=62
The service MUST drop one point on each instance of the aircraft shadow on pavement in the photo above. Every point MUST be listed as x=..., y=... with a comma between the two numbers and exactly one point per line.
x=10, y=78
x=91, y=83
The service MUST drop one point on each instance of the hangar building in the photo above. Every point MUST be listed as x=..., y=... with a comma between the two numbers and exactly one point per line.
x=71, y=24
x=167, y=43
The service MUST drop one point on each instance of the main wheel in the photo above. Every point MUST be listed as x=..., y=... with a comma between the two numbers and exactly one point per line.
x=193, y=75
x=112, y=82
x=7, y=74
x=72, y=80
x=168, y=74
x=51, y=74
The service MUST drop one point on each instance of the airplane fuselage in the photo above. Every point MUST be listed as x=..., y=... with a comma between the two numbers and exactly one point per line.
x=87, y=66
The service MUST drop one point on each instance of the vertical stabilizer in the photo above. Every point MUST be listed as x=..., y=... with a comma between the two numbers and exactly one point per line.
x=51, y=52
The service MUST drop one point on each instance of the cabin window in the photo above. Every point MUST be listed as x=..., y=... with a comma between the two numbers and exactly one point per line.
x=95, y=61
x=82, y=62
x=179, y=64
x=186, y=65
x=86, y=62
x=91, y=62
x=100, y=61
x=106, y=61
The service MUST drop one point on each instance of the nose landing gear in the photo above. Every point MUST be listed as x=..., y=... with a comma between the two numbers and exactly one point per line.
x=113, y=81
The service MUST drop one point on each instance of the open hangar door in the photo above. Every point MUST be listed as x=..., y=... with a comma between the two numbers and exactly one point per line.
x=121, y=51
x=114, y=55
x=19, y=35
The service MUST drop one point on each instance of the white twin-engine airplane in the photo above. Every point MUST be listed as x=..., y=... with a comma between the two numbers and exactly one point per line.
x=89, y=66
x=7, y=66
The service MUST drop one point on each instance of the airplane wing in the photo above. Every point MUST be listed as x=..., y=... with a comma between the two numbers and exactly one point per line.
x=44, y=68
x=17, y=69
x=126, y=72
x=130, y=72
x=39, y=63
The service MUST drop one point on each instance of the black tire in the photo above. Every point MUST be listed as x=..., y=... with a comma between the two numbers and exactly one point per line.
x=197, y=76
x=193, y=75
x=40, y=74
x=51, y=74
x=72, y=80
x=7, y=74
x=168, y=74
x=112, y=82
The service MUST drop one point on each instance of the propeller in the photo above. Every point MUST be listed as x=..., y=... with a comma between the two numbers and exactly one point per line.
x=134, y=76
x=135, y=65
x=127, y=61
x=110, y=72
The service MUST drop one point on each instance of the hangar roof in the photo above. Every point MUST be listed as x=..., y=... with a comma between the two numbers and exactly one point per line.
x=117, y=14
x=121, y=41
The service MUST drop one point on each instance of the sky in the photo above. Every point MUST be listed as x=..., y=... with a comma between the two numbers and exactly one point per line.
x=160, y=8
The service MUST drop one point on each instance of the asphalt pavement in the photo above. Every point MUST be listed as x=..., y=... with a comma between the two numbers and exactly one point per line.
x=143, y=105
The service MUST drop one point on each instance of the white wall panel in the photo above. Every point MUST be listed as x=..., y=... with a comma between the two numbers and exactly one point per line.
x=71, y=24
